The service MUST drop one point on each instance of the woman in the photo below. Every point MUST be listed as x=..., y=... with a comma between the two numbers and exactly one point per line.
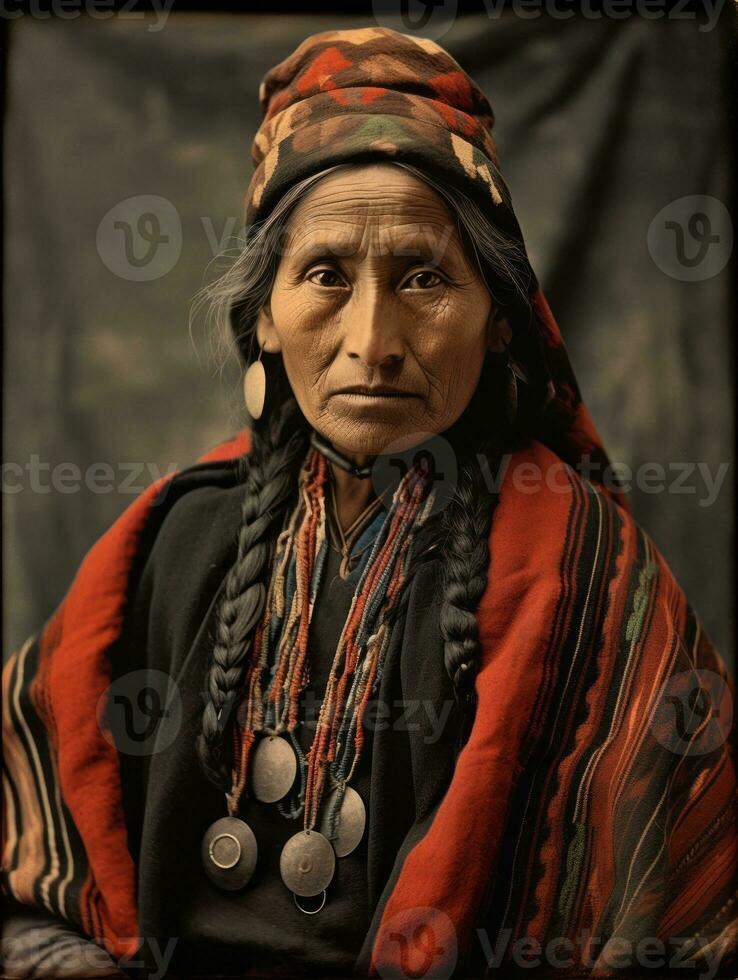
x=425, y=684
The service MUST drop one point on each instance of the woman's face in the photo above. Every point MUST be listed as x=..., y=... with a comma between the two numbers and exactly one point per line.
x=374, y=289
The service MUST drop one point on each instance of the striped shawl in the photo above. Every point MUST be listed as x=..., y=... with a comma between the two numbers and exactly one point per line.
x=591, y=810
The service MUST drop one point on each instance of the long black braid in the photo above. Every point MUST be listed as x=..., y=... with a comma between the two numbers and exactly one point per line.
x=269, y=477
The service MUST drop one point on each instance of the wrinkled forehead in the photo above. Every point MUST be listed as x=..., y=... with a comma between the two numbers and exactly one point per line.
x=365, y=222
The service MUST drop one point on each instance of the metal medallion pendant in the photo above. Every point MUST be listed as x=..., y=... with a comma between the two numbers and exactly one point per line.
x=307, y=863
x=229, y=853
x=273, y=769
x=350, y=822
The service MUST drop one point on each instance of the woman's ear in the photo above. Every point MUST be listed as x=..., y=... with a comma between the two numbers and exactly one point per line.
x=266, y=332
x=499, y=332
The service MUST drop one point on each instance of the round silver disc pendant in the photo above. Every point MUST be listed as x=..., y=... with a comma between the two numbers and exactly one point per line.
x=307, y=863
x=229, y=853
x=350, y=822
x=273, y=769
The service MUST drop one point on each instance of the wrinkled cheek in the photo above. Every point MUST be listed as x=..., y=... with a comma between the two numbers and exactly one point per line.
x=308, y=365
x=450, y=371
x=459, y=381
x=312, y=359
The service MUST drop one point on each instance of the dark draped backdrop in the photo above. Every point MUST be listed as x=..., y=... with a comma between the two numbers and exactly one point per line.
x=601, y=125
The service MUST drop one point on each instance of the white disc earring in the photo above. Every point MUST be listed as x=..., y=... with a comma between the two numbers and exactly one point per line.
x=254, y=387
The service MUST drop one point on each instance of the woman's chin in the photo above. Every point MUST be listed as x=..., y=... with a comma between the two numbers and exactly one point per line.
x=367, y=437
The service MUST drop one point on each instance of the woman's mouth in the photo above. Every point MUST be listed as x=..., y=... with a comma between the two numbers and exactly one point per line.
x=374, y=393
x=382, y=400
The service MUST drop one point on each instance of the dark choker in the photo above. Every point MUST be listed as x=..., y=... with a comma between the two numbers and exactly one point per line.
x=323, y=446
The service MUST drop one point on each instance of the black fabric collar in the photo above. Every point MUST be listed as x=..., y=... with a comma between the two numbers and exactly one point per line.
x=323, y=446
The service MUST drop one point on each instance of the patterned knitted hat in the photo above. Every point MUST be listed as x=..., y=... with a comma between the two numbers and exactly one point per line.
x=352, y=96
x=374, y=93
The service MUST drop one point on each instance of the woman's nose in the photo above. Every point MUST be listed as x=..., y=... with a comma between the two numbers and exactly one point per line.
x=373, y=333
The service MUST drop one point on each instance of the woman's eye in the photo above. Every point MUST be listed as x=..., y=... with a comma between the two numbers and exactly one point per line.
x=325, y=277
x=426, y=279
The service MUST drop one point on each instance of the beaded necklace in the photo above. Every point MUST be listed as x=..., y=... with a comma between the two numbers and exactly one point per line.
x=266, y=748
x=363, y=529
